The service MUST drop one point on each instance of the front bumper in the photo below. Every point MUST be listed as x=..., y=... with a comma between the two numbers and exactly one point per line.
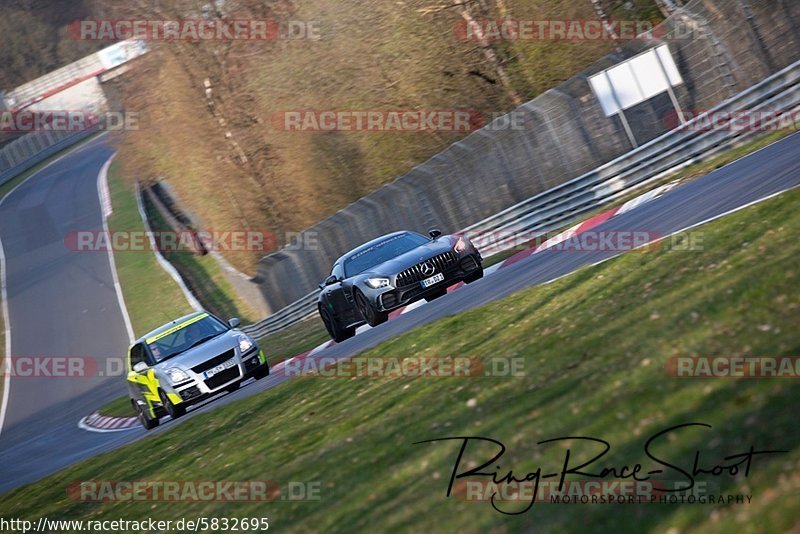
x=199, y=388
x=402, y=296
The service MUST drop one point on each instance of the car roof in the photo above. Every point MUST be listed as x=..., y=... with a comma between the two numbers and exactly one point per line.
x=169, y=325
x=373, y=242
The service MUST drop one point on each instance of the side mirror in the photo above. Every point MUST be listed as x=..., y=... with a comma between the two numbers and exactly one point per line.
x=234, y=322
x=434, y=233
x=140, y=367
x=328, y=281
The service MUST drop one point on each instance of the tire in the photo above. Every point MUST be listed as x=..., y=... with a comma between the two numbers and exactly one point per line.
x=477, y=275
x=370, y=314
x=233, y=387
x=143, y=418
x=337, y=334
x=437, y=295
x=261, y=372
x=173, y=410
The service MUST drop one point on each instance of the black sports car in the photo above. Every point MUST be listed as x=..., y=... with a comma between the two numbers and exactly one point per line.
x=393, y=271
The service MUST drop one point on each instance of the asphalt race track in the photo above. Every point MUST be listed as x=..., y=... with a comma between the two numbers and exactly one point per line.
x=64, y=303
x=60, y=303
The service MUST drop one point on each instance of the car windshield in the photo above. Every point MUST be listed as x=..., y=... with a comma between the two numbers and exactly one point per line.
x=195, y=332
x=381, y=252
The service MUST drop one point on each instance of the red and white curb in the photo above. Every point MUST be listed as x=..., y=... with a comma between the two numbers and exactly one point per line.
x=104, y=423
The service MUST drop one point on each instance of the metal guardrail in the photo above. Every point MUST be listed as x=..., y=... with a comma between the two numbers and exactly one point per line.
x=560, y=205
x=42, y=153
x=292, y=314
x=564, y=203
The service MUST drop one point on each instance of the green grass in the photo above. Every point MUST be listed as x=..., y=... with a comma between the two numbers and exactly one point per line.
x=593, y=346
x=151, y=296
x=294, y=340
x=204, y=276
x=119, y=407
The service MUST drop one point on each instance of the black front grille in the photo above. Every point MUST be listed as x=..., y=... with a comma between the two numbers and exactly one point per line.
x=190, y=393
x=213, y=362
x=223, y=377
x=414, y=274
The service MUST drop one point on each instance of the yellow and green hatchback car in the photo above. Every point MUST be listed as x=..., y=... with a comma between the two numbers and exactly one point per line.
x=188, y=360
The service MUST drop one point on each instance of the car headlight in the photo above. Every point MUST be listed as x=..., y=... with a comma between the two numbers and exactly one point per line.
x=176, y=376
x=377, y=283
x=245, y=344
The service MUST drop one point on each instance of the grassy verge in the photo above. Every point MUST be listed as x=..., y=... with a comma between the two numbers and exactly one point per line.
x=294, y=340
x=120, y=407
x=151, y=296
x=204, y=277
x=593, y=344
x=687, y=173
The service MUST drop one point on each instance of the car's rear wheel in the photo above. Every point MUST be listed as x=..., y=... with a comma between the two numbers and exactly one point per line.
x=370, y=314
x=436, y=295
x=337, y=333
x=143, y=417
x=173, y=410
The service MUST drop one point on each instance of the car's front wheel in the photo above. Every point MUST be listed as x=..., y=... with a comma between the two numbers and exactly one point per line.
x=174, y=410
x=370, y=314
x=474, y=276
x=143, y=417
x=261, y=372
x=337, y=333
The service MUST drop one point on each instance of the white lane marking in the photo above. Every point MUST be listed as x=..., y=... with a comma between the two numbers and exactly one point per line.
x=317, y=349
x=646, y=197
x=162, y=261
x=3, y=291
x=492, y=269
x=102, y=178
x=7, y=323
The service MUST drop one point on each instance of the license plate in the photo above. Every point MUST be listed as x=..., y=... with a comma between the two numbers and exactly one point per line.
x=219, y=368
x=435, y=279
